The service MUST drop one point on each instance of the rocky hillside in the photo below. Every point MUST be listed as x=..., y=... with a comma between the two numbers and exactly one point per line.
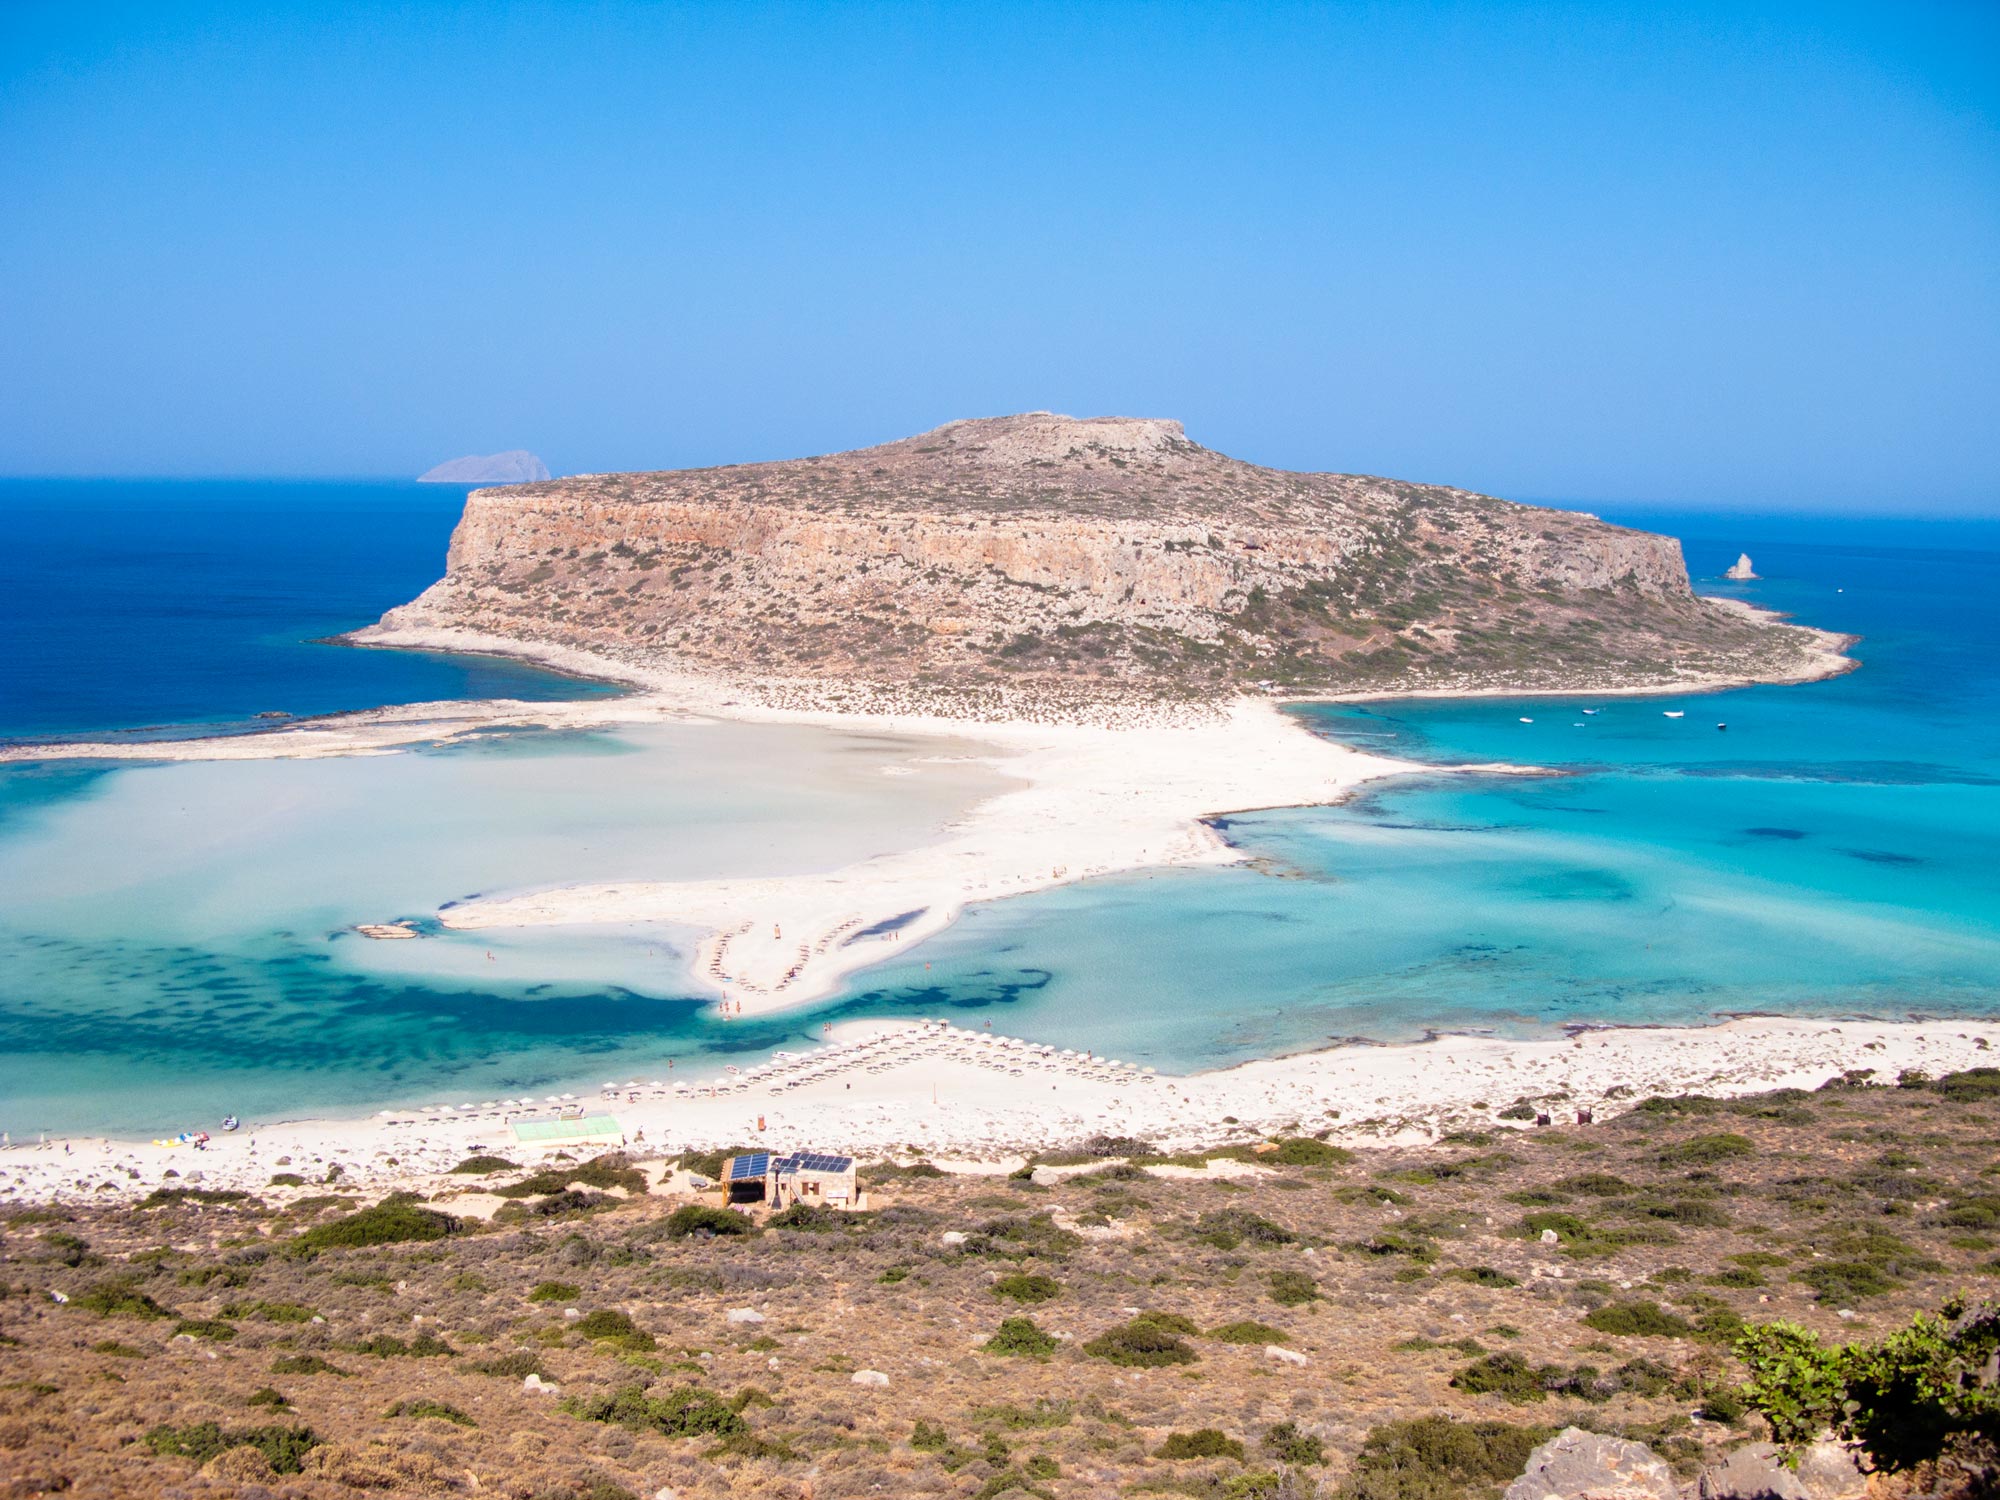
x=1308, y=1324
x=1109, y=555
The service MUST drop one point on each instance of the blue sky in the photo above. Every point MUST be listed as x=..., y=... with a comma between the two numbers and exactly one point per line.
x=1721, y=256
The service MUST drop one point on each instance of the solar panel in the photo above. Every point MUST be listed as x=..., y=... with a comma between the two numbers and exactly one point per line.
x=754, y=1165
x=814, y=1161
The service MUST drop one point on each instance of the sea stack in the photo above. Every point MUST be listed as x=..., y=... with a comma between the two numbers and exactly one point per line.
x=515, y=466
x=1740, y=569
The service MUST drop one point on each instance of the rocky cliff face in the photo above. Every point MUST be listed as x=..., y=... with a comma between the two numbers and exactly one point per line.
x=1108, y=555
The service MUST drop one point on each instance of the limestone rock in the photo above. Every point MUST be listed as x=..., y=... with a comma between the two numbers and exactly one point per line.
x=1285, y=1356
x=1108, y=556
x=1740, y=570
x=1579, y=1465
x=515, y=466
x=744, y=1315
x=869, y=1377
x=535, y=1384
x=1756, y=1471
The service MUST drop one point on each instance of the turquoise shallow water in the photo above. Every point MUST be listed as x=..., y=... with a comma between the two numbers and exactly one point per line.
x=170, y=946
x=1832, y=851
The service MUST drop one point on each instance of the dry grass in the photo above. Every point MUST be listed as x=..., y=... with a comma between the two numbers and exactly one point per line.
x=404, y=1361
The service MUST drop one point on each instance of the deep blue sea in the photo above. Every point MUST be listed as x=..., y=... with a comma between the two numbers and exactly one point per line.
x=147, y=606
x=172, y=943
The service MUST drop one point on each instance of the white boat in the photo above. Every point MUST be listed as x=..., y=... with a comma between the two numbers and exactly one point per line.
x=1527, y=721
x=1674, y=713
x=1590, y=710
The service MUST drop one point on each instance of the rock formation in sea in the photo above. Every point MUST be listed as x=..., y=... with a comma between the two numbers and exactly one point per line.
x=1108, y=556
x=1740, y=569
x=515, y=466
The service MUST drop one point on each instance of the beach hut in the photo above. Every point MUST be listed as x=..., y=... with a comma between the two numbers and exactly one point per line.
x=797, y=1177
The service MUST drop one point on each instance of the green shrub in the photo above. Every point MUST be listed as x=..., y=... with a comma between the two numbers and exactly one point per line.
x=1145, y=1342
x=616, y=1326
x=213, y=1329
x=392, y=1221
x=1015, y=1237
x=481, y=1166
x=1638, y=1320
x=1706, y=1150
x=270, y=1312
x=1696, y=1213
x=117, y=1350
x=1594, y=1184
x=1845, y=1280
x=1203, y=1442
x=1437, y=1458
x=1292, y=1288
x=173, y=1197
x=1906, y=1400
x=388, y=1346
x=1227, y=1228
x=1568, y=1227
x=1972, y=1086
x=1303, y=1151
x=1508, y=1375
x=118, y=1299
x=1027, y=1287
x=1975, y=1211
x=267, y=1396
x=439, y=1409
x=684, y=1411
x=1288, y=1445
x=1247, y=1332
x=287, y=1179
x=701, y=1219
x=284, y=1448
x=568, y=1204
x=304, y=1364
x=1482, y=1276
x=555, y=1291
x=816, y=1218
x=1387, y=1242
x=611, y=1170
x=516, y=1366
x=1020, y=1336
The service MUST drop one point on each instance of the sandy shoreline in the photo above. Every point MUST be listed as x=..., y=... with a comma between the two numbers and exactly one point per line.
x=980, y=1102
x=1132, y=789
x=1129, y=792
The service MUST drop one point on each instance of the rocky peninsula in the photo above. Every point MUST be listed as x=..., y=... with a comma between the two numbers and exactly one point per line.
x=1084, y=560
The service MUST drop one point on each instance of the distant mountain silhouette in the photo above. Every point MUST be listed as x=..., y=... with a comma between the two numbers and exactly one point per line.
x=515, y=466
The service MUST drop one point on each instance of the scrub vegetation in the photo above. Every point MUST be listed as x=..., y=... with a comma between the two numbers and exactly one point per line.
x=1402, y=1324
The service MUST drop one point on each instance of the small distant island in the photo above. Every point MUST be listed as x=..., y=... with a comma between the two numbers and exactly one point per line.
x=515, y=466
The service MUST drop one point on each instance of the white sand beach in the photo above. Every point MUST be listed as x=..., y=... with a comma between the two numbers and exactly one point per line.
x=973, y=1101
x=1128, y=791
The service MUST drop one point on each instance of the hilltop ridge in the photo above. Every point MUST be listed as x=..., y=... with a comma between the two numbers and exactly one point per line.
x=1106, y=557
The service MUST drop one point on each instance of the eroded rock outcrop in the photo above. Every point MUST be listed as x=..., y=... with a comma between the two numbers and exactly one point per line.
x=1109, y=555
